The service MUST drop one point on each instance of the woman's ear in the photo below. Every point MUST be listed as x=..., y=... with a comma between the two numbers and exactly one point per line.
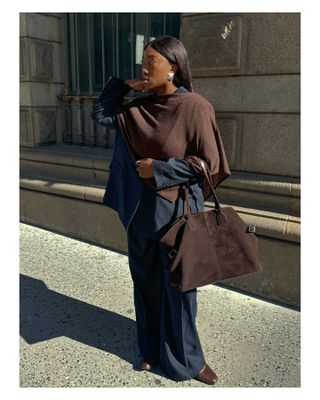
x=174, y=67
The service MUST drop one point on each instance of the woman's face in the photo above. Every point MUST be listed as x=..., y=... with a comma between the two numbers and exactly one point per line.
x=155, y=69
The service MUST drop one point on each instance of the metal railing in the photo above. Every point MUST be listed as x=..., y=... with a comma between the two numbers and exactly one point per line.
x=79, y=128
x=97, y=46
x=102, y=44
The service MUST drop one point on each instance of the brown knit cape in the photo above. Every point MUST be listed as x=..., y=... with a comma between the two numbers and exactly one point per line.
x=179, y=125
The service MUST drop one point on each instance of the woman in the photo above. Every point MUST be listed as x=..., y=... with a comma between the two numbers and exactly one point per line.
x=160, y=138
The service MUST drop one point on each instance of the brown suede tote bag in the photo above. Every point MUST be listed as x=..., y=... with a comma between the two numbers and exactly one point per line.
x=209, y=246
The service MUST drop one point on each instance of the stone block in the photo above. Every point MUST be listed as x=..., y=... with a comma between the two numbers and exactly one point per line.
x=26, y=138
x=24, y=92
x=263, y=143
x=45, y=126
x=23, y=60
x=248, y=198
x=280, y=276
x=81, y=167
x=191, y=14
x=273, y=43
x=59, y=64
x=45, y=27
x=41, y=60
x=271, y=144
x=221, y=38
x=23, y=24
x=75, y=156
x=280, y=194
x=84, y=220
x=270, y=94
x=56, y=15
x=39, y=94
x=60, y=172
x=229, y=135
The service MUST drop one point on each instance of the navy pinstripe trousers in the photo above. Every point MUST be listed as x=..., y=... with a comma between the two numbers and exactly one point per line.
x=165, y=317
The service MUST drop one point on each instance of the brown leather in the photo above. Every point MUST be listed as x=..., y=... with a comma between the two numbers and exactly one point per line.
x=147, y=365
x=207, y=376
x=209, y=246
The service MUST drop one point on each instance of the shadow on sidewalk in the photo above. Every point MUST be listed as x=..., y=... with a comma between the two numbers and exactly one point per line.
x=45, y=314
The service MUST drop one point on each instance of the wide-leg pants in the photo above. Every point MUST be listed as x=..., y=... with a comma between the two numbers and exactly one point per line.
x=165, y=317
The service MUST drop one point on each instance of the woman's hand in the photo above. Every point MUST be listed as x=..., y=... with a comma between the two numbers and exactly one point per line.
x=144, y=167
x=136, y=84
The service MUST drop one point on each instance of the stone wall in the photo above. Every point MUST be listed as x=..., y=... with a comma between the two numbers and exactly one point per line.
x=42, y=78
x=248, y=67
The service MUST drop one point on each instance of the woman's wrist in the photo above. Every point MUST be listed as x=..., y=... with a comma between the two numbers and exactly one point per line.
x=127, y=82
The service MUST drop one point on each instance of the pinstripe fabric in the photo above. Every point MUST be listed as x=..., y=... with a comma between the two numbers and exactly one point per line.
x=166, y=318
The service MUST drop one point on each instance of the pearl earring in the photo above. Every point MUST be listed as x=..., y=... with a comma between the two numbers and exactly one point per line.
x=170, y=75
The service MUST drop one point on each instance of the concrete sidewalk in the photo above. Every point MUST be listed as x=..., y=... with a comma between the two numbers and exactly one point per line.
x=78, y=328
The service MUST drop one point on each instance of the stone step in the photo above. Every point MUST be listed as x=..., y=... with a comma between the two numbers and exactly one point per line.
x=268, y=223
x=68, y=163
x=257, y=191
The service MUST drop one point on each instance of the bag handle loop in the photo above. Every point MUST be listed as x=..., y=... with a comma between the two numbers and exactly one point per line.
x=205, y=169
x=186, y=206
x=186, y=209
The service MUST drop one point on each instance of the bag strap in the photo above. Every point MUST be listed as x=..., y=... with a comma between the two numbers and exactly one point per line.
x=186, y=208
x=206, y=171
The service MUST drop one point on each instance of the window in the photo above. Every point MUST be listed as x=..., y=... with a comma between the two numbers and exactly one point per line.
x=100, y=45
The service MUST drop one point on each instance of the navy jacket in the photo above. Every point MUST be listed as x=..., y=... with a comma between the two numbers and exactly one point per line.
x=125, y=191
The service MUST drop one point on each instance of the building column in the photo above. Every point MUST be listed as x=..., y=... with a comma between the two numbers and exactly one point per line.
x=42, y=78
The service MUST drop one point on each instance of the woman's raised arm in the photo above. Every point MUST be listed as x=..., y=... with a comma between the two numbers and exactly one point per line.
x=103, y=111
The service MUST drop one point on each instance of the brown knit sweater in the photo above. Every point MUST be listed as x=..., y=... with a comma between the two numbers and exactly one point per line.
x=180, y=125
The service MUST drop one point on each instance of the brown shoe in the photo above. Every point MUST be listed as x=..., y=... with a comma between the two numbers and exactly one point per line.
x=146, y=365
x=206, y=375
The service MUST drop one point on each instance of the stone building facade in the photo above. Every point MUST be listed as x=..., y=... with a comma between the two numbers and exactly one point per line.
x=247, y=65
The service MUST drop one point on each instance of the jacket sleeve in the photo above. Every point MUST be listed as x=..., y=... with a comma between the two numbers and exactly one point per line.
x=103, y=111
x=173, y=172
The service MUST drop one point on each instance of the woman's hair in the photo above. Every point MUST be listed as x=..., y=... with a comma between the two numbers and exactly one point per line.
x=174, y=51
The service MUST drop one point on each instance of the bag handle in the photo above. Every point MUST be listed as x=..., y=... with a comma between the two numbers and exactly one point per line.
x=206, y=171
x=186, y=208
